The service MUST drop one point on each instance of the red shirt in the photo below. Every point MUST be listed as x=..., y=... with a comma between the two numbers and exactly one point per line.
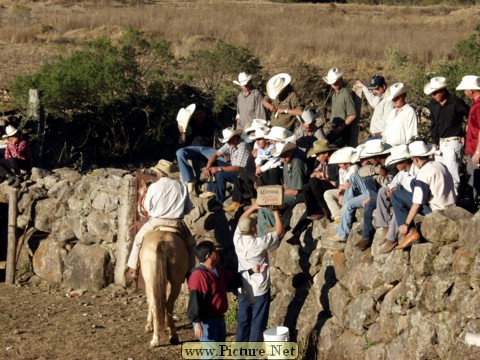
x=20, y=150
x=473, y=127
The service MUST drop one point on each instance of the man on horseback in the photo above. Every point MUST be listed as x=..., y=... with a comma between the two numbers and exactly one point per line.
x=166, y=202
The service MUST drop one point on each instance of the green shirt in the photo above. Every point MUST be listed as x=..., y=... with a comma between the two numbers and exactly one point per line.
x=291, y=101
x=342, y=104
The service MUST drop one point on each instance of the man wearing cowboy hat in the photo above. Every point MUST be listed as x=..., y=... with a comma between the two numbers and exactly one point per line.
x=294, y=176
x=343, y=116
x=283, y=102
x=308, y=132
x=471, y=86
x=239, y=153
x=402, y=121
x=447, y=113
x=407, y=171
x=17, y=157
x=166, y=203
x=196, y=140
x=376, y=96
x=249, y=101
x=433, y=190
x=244, y=189
x=324, y=177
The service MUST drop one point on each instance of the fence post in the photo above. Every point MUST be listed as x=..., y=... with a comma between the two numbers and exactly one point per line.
x=12, y=237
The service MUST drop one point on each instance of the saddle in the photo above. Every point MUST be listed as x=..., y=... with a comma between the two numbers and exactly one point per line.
x=167, y=228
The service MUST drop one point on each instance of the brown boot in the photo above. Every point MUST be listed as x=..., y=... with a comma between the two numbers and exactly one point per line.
x=389, y=246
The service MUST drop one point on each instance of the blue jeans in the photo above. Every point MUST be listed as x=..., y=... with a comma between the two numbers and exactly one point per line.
x=214, y=329
x=194, y=153
x=252, y=318
x=402, y=203
x=352, y=200
x=219, y=186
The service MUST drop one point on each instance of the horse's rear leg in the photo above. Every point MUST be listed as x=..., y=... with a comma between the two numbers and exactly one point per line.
x=175, y=289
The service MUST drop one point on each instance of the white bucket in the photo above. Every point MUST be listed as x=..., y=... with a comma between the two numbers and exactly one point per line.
x=279, y=333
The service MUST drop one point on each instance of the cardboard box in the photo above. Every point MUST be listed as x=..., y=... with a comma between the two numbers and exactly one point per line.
x=270, y=195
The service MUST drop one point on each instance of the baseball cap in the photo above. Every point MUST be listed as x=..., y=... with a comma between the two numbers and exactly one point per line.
x=246, y=224
x=377, y=81
x=205, y=248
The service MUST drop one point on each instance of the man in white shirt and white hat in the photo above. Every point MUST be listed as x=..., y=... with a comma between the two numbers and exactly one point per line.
x=166, y=203
x=249, y=101
x=433, y=190
x=402, y=121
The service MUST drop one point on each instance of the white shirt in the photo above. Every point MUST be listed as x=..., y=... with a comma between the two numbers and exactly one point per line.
x=381, y=108
x=344, y=175
x=251, y=251
x=401, y=126
x=167, y=198
x=434, y=187
x=404, y=178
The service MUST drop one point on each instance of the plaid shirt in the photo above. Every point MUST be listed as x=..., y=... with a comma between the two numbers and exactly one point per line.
x=238, y=155
x=249, y=107
x=20, y=150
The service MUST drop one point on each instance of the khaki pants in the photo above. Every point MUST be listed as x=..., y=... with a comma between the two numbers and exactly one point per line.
x=331, y=198
x=153, y=223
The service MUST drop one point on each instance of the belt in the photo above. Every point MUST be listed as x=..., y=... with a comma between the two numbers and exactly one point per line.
x=171, y=219
x=453, y=138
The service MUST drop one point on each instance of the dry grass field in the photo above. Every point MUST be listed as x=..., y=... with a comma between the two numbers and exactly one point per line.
x=353, y=37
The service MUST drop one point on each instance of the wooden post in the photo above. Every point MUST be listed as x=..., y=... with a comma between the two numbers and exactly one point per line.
x=12, y=236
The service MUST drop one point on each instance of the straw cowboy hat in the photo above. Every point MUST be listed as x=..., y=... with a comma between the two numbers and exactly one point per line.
x=282, y=147
x=420, y=149
x=435, y=84
x=396, y=90
x=469, y=82
x=398, y=153
x=260, y=133
x=373, y=147
x=230, y=132
x=256, y=123
x=346, y=155
x=10, y=131
x=320, y=146
x=276, y=84
x=243, y=79
x=279, y=133
x=166, y=168
x=333, y=75
x=184, y=115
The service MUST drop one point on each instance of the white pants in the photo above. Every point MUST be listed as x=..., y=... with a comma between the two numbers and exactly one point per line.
x=451, y=156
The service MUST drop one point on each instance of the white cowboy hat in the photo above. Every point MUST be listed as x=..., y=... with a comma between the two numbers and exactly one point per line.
x=396, y=90
x=346, y=155
x=320, y=146
x=397, y=153
x=256, y=123
x=435, y=84
x=307, y=117
x=9, y=131
x=469, y=82
x=228, y=133
x=184, y=115
x=259, y=133
x=373, y=147
x=166, y=168
x=420, y=149
x=282, y=147
x=243, y=79
x=333, y=75
x=276, y=84
x=279, y=133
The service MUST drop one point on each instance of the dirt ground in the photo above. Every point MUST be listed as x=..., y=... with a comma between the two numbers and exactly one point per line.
x=38, y=321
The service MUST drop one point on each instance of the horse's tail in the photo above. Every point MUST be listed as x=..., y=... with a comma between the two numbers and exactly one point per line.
x=160, y=277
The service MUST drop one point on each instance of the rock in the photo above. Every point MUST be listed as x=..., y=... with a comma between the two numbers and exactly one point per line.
x=60, y=191
x=88, y=267
x=421, y=258
x=348, y=346
x=45, y=214
x=338, y=299
x=62, y=230
x=328, y=339
x=47, y=261
x=99, y=225
x=462, y=259
x=38, y=174
x=443, y=261
x=361, y=313
x=468, y=235
x=68, y=174
x=286, y=258
x=435, y=290
x=441, y=227
x=104, y=202
x=376, y=352
x=421, y=334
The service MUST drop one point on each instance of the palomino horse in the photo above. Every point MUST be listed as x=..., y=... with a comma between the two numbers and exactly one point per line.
x=163, y=261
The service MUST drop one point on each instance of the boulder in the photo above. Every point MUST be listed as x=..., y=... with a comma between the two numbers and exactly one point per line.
x=48, y=260
x=441, y=227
